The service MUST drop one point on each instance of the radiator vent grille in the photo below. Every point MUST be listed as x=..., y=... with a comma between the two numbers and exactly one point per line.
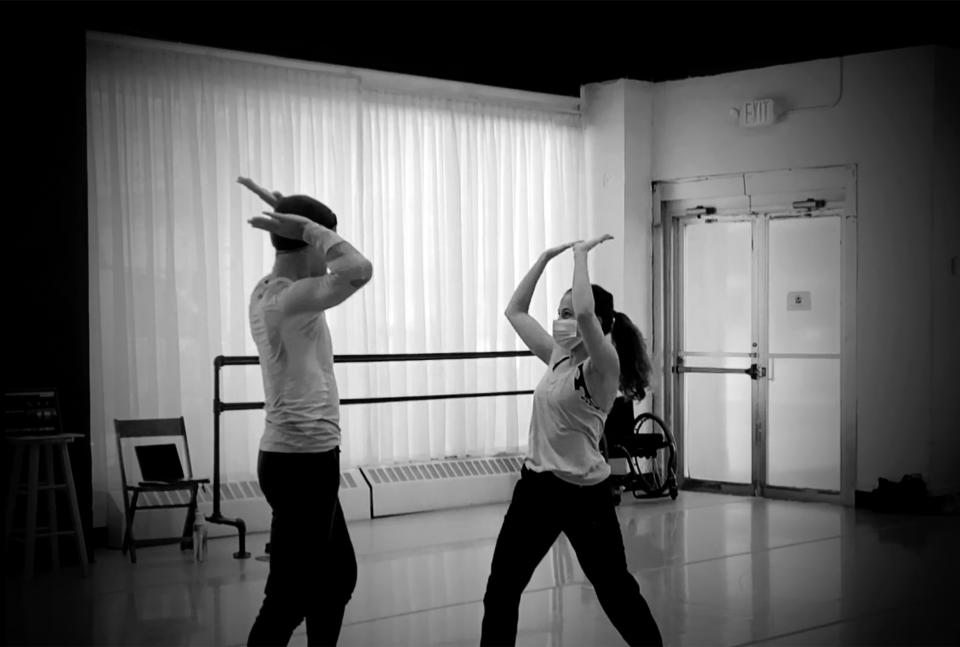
x=231, y=491
x=428, y=471
x=449, y=469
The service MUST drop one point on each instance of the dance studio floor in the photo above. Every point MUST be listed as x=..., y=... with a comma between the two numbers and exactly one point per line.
x=717, y=570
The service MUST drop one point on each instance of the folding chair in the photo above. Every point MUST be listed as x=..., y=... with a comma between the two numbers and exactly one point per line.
x=153, y=430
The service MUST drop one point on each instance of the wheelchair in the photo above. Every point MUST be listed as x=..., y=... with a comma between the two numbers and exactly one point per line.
x=649, y=448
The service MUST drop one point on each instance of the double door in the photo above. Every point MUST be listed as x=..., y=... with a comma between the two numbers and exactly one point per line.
x=759, y=292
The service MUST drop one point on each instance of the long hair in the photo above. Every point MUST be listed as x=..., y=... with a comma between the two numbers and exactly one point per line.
x=634, y=361
x=628, y=341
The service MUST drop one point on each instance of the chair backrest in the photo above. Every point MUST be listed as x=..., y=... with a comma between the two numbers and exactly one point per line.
x=152, y=431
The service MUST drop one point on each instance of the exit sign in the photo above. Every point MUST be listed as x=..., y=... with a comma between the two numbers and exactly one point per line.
x=759, y=112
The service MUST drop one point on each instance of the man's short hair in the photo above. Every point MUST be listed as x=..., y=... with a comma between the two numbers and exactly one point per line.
x=302, y=205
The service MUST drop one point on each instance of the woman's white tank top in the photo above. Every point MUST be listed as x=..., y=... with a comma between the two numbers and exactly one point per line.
x=566, y=425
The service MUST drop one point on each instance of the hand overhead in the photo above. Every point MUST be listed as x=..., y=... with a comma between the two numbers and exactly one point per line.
x=585, y=246
x=270, y=197
x=282, y=224
x=555, y=251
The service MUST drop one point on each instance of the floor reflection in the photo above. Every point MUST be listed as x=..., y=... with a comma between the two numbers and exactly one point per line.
x=716, y=570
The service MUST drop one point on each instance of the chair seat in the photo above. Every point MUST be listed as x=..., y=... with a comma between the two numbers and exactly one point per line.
x=646, y=445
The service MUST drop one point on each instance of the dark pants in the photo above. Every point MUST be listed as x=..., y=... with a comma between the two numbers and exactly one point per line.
x=313, y=569
x=543, y=506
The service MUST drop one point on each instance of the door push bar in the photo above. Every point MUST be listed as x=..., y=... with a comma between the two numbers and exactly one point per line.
x=755, y=372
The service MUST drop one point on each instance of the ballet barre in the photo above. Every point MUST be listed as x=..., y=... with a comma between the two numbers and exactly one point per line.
x=220, y=406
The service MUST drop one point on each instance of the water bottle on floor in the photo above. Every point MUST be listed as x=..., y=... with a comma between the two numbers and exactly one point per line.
x=199, y=539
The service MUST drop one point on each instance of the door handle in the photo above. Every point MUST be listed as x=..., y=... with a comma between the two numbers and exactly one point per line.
x=756, y=372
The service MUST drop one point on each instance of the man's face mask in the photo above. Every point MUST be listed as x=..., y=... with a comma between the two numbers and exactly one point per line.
x=565, y=333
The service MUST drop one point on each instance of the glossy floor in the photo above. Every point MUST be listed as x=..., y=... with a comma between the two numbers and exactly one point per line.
x=716, y=570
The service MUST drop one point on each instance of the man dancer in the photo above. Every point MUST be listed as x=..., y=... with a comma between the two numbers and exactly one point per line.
x=313, y=569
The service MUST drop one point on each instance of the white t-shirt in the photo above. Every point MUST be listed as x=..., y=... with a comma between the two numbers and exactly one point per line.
x=566, y=426
x=301, y=400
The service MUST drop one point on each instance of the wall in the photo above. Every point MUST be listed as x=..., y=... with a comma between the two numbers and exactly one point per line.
x=618, y=120
x=45, y=227
x=874, y=111
x=602, y=107
x=637, y=299
x=944, y=378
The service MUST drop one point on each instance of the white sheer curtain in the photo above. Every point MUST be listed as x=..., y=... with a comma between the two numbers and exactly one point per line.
x=458, y=200
x=172, y=258
x=451, y=201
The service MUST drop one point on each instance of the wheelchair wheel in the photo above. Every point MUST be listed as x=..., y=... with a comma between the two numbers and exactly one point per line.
x=654, y=468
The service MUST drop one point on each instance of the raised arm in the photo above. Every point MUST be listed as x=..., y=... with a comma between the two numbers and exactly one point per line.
x=347, y=269
x=603, y=356
x=538, y=340
x=270, y=197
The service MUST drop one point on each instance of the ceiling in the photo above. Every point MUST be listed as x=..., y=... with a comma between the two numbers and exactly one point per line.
x=552, y=47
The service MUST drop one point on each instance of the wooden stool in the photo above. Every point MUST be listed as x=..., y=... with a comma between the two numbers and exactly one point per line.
x=32, y=444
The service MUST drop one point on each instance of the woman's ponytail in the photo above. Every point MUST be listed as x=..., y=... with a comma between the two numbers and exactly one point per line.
x=634, y=361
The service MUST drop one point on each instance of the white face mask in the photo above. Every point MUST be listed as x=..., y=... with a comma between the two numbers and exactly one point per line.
x=565, y=333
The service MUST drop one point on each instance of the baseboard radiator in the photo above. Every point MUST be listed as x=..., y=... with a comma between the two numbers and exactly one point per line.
x=438, y=485
x=365, y=492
